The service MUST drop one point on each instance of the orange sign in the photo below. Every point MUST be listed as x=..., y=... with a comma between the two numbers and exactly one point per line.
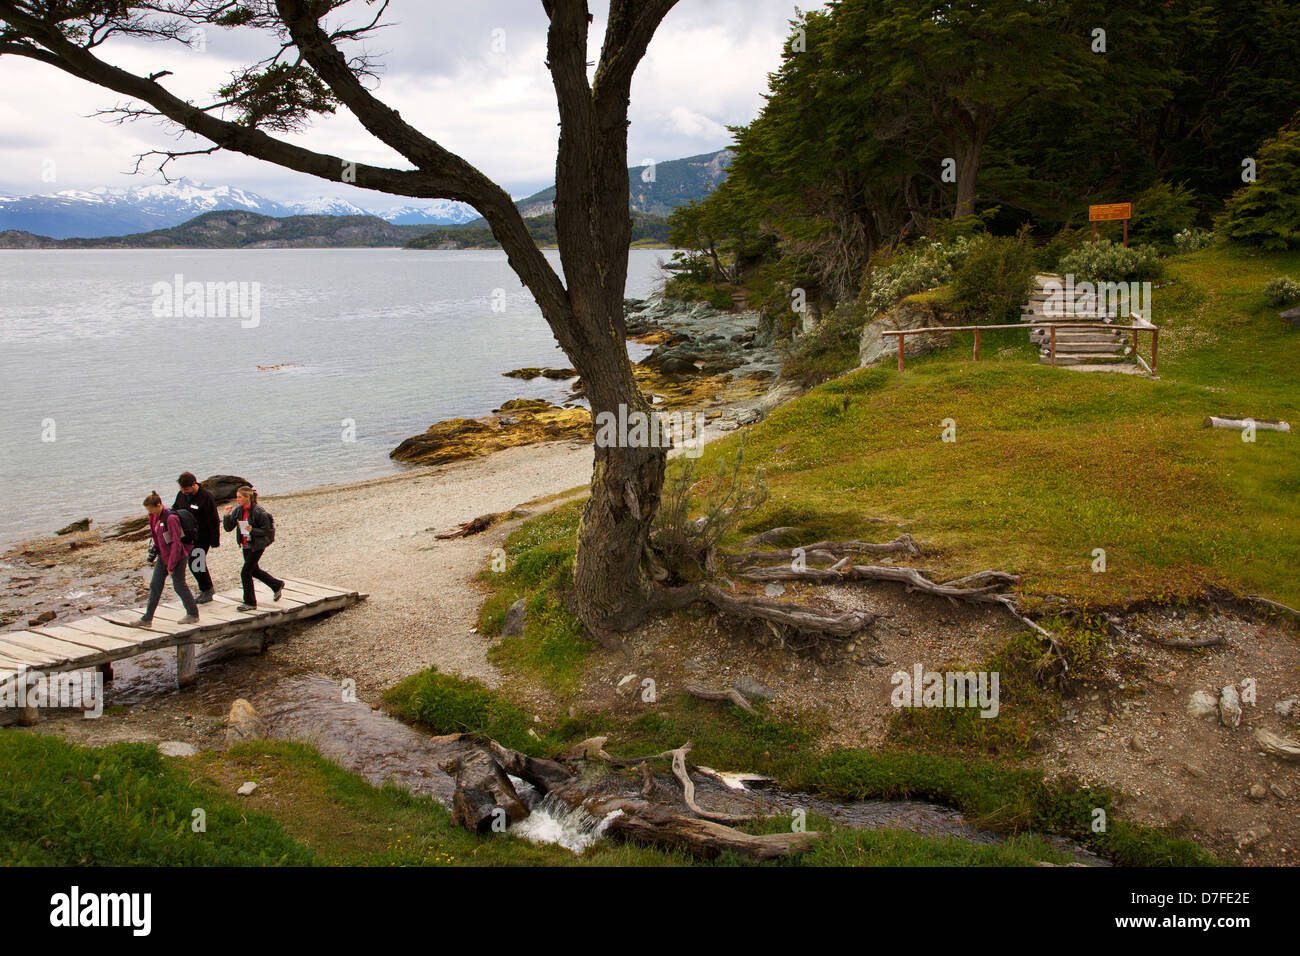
x=1119, y=210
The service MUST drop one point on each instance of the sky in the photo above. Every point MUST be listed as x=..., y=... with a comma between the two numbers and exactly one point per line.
x=471, y=74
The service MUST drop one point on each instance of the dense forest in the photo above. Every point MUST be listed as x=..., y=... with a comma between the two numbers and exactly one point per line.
x=906, y=142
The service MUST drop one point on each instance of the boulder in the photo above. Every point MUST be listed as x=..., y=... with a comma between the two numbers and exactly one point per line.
x=1292, y=317
x=1202, y=704
x=82, y=525
x=515, y=616
x=1230, y=706
x=874, y=346
x=176, y=748
x=243, y=723
x=223, y=487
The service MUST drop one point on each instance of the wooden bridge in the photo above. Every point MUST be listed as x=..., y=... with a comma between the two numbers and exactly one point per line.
x=93, y=643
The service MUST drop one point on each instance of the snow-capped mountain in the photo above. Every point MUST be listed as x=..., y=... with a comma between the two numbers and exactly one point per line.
x=95, y=213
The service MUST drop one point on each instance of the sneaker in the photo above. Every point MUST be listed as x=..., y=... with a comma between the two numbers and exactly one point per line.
x=203, y=598
x=278, y=592
x=142, y=622
x=189, y=619
x=246, y=607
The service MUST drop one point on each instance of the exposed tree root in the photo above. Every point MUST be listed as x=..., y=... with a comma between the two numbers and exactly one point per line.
x=471, y=527
x=828, y=551
x=731, y=694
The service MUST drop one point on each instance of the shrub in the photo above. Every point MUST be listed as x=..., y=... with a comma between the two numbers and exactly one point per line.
x=686, y=544
x=1193, y=240
x=1162, y=211
x=922, y=265
x=1105, y=261
x=1282, y=291
x=996, y=277
x=1266, y=213
x=828, y=349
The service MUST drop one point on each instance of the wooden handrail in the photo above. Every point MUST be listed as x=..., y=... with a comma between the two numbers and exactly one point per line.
x=1135, y=328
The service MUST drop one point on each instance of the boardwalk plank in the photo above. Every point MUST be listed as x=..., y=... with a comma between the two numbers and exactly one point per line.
x=97, y=642
x=68, y=650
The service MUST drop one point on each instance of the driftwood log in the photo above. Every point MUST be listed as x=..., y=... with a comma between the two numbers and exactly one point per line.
x=1284, y=748
x=1240, y=424
x=647, y=823
x=473, y=526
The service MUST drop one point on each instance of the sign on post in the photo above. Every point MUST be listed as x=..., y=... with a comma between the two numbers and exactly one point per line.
x=1109, y=213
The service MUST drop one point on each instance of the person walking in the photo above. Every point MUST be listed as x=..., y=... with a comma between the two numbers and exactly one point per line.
x=200, y=503
x=254, y=530
x=171, y=553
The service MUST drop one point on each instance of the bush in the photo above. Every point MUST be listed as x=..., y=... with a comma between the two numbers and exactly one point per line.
x=996, y=277
x=1160, y=212
x=829, y=349
x=1193, y=240
x=1266, y=213
x=1105, y=261
x=1282, y=291
x=686, y=544
x=922, y=265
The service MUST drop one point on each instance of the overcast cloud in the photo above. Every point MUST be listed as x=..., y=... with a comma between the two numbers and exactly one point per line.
x=706, y=69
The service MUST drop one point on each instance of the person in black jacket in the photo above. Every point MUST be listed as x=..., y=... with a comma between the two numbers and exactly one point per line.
x=200, y=503
x=254, y=530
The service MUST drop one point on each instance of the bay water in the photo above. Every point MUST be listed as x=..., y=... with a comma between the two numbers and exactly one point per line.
x=109, y=390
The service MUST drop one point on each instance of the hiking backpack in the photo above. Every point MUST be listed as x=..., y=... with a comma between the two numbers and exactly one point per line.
x=189, y=525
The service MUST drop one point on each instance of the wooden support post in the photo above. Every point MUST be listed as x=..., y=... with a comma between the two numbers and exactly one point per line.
x=977, y=345
x=1053, y=346
x=186, y=665
x=27, y=715
x=899, y=338
x=1125, y=233
x=107, y=671
x=1155, y=336
x=1135, y=346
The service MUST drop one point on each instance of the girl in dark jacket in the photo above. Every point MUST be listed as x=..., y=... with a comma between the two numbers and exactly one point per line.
x=253, y=531
x=165, y=529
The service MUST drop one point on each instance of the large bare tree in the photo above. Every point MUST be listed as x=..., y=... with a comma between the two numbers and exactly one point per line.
x=316, y=69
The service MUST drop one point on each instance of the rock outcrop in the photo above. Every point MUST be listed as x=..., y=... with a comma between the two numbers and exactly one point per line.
x=914, y=312
x=521, y=422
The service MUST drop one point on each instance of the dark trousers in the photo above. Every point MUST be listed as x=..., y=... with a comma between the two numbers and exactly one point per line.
x=182, y=589
x=199, y=566
x=251, y=570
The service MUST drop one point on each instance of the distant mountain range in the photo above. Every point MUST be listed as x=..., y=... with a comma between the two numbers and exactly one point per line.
x=98, y=213
x=239, y=229
x=128, y=215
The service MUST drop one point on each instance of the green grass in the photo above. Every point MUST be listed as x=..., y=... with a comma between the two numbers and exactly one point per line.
x=1050, y=464
x=539, y=567
x=123, y=805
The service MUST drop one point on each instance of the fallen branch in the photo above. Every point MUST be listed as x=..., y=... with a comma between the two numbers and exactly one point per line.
x=688, y=789
x=1215, y=641
x=731, y=694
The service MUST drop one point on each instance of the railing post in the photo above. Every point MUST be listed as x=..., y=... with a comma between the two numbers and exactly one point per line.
x=977, y=345
x=899, y=339
x=1052, y=333
x=1155, y=336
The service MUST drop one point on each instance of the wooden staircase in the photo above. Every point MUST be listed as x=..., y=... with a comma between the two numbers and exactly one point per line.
x=1074, y=346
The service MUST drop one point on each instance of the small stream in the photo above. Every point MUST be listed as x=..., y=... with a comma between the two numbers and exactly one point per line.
x=309, y=708
x=381, y=748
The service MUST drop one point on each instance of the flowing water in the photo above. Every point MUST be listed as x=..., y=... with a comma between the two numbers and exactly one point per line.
x=104, y=398
x=310, y=709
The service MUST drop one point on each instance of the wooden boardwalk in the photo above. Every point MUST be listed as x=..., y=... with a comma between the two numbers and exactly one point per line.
x=93, y=642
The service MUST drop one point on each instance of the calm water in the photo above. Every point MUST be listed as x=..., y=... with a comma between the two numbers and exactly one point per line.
x=392, y=340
